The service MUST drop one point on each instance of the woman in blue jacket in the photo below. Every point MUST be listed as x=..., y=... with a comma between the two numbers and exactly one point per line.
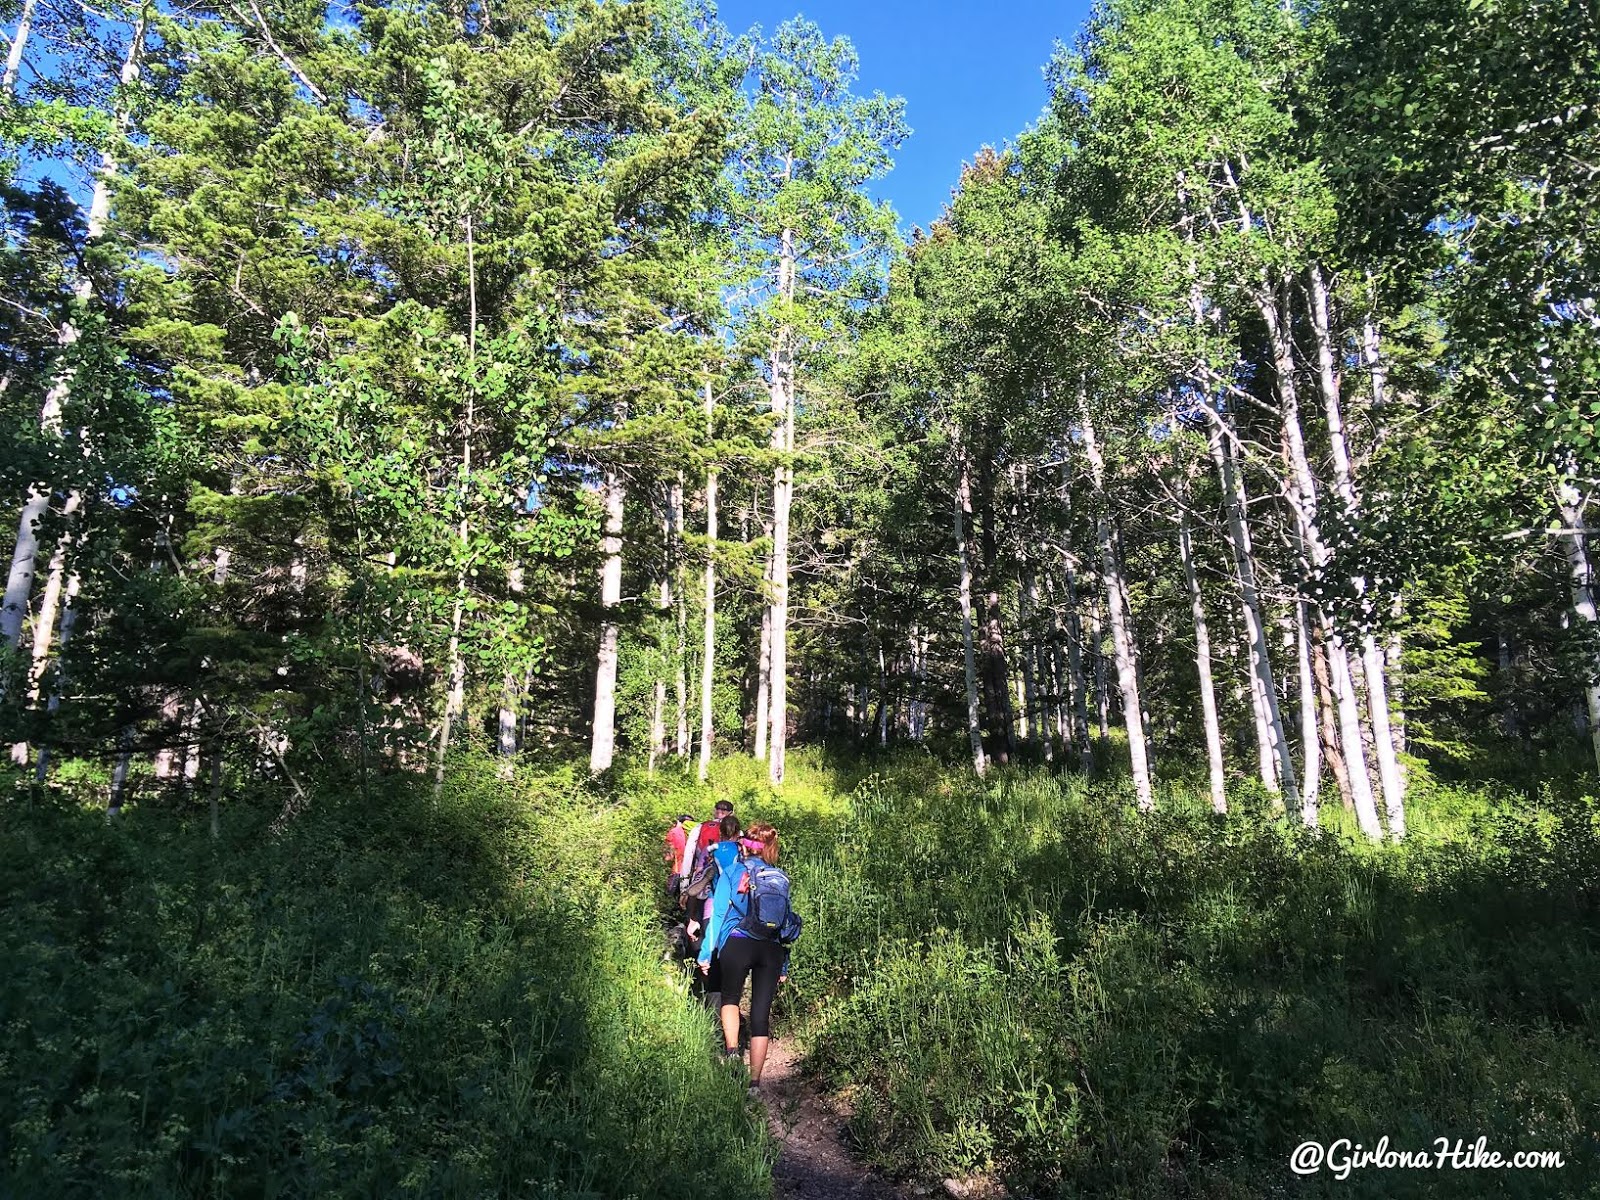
x=741, y=954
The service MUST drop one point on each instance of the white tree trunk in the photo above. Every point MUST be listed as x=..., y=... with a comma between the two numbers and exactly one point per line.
x=1202, y=659
x=1097, y=649
x=1032, y=723
x=709, y=649
x=1310, y=739
x=764, y=660
x=783, y=407
x=510, y=699
x=963, y=508
x=1580, y=573
x=119, y=780
x=19, y=581
x=1303, y=495
x=1035, y=676
x=1080, y=685
x=778, y=670
x=69, y=615
x=680, y=686
x=44, y=625
x=506, y=726
x=1277, y=766
x=883, y=699
x=664, y=609
x=603, y=743
x=1121, y=623
x=166, y=764
x=658, y=726
x=19, y=42
x=1372, y=661
x=455, y=697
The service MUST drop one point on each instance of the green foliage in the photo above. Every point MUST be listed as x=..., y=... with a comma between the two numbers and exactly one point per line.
x=1025, y=978
x=391, y=998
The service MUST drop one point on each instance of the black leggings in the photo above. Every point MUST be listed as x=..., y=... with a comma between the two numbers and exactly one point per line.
x=762, y=961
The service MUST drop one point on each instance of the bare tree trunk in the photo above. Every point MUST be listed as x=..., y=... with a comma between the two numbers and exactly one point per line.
x=1053, y=662
x=166, y=764
x=603, y=742
x=19, y=581
x=658, y=726
x=1033, y=722
x=1389, y=773
x=1035, y=676
x=764, y=668
x=192, y=739
x=1080, y=687
x=69, y=615
x=1393, y=659
x=1372, y=661
x=680, y=686
x=1328, y=717
x=778, y=668
x=1102, y=693
x=119, y=777
x=883, y=700
x=505, y=745
x=511, y=699
x=1121, y=631
x=1580, y=572
x=44, y=625
x=658, y=723
x=1379, y=373
x=1277, y=767
x=918, y=714
x=1310, y=739
x=1202, y=658
x=963, y=511
x=783, y=407
x=19, y=42
x=709, y=650
x=1303, y=495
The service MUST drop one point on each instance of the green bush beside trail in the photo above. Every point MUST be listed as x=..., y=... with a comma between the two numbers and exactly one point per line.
x=1026, y=978
x=1021, y=978
x=393, y=998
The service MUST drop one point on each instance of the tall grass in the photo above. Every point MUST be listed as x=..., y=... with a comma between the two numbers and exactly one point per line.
x=1028, y=979
x=394, y=998
x=1020, y=977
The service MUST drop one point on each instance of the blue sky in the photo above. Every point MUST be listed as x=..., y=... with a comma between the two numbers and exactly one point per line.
x=972, y=73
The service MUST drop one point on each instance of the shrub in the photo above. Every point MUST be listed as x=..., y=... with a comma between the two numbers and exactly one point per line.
x=392, y=998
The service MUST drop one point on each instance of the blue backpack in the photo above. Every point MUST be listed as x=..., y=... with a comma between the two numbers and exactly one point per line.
x=768, y=913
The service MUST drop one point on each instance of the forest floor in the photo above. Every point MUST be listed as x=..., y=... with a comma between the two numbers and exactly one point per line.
x=814, y=1158
x=815, y=1161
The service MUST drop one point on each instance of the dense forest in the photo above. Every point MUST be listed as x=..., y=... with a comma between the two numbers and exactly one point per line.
x=1156, y=600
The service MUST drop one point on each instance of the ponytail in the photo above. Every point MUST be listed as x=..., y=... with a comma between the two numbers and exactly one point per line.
x=767, y=838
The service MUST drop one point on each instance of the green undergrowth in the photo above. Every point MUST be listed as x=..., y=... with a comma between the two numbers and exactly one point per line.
x=1025, y=978
x=1020, y=977
x=393, y=998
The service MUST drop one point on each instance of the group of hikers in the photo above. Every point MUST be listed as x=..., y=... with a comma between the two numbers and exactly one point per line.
x=731, y=913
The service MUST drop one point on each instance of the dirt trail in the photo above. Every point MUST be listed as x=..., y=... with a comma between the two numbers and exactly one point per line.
x=814, y=1159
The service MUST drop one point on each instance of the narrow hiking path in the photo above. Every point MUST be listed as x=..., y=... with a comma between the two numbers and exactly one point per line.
x=814, y=1158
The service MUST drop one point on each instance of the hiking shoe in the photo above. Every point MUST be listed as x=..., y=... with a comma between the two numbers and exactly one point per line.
x=734, y=1057
x=753, y=1092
